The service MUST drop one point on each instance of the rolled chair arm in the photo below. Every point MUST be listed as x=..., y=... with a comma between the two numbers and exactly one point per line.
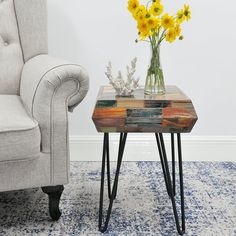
x=49, y=88
x=44, y=69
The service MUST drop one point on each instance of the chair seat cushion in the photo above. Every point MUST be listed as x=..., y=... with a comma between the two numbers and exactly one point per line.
x=19, y=133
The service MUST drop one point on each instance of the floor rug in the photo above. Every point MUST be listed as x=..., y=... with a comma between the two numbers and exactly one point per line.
x=142, y=206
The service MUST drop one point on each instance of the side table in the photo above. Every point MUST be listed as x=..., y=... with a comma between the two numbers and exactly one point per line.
x=171, y=113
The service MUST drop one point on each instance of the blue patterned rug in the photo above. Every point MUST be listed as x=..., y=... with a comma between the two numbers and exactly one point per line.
x=142, y=206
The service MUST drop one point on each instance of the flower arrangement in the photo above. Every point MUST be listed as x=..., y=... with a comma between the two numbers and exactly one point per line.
x=154, y=26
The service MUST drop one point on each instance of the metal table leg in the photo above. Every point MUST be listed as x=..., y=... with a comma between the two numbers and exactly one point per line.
x=111, y=194
x=166, y=172
x=169, y=186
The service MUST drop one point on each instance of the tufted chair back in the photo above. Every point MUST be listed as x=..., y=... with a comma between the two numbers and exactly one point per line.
x=23, y=35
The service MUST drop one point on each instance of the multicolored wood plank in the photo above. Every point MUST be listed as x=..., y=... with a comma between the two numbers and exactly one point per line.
x=172, y=112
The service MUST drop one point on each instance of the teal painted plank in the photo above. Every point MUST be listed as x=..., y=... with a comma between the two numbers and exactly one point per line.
x=145, y=113
x=106, y=103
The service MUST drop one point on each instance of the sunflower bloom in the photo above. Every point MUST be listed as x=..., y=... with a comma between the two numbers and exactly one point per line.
x=156, y=9
x=143, y=27
x=167, y=21
x=133, y=6
x=171, y=35
x=187, y=12
x=180, y=17
x=140, y=13
x=177, y=30
x=153, y=23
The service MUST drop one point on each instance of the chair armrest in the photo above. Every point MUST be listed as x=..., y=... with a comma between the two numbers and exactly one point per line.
x=49, y=87
x=45, y=70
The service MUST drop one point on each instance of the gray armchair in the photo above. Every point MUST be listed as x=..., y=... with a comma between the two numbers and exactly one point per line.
x=36, y=91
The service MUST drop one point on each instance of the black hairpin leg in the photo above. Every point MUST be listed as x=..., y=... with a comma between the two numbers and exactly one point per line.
x=108, y=166
x=111, y=194
x=169, y=186
x=173, y=160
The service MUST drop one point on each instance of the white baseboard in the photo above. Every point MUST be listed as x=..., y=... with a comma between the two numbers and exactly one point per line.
x=142, y=147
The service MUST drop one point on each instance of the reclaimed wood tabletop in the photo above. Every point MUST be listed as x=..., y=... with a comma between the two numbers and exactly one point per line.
x=172, y=112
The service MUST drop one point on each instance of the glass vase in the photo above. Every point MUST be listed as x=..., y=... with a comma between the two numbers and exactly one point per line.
x=155, y=79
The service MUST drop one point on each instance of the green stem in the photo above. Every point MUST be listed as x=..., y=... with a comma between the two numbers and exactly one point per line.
x=162, y=37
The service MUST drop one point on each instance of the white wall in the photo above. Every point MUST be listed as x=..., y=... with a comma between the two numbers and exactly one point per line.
x=203, y=65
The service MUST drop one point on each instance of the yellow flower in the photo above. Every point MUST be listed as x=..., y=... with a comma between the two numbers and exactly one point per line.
x=167, y=21
x=157, y=24
x=156, y=9
x=187, y=12
x=140, y=13
x=180, y=17
x=153, y=23
x=133, y=5
x=151, y=20
x=177, y=30
x=143, y=27
x=171, y=35
x=143, y=36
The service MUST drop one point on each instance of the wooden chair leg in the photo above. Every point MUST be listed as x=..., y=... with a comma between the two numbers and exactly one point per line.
x=54, y=194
